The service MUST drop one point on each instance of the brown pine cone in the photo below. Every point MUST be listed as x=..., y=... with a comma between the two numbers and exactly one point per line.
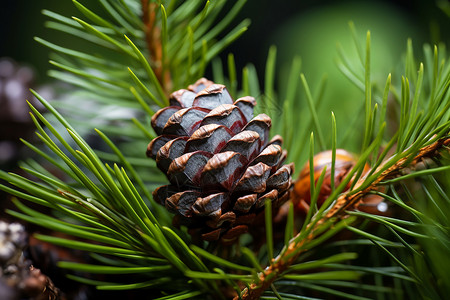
x=219, y=160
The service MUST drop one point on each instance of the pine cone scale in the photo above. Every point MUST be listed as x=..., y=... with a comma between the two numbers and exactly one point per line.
x=254, y=179
x=222, y=170
x=156, y=144
x=245, y=203
x=227, y=115
x=160, y=118
x=211, y=138
x=169, y=151
x=210, y=204
x=212, y=96
x=186, y=169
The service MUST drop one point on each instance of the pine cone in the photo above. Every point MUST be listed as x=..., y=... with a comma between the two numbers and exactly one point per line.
x=18, y=278
x=219, y=161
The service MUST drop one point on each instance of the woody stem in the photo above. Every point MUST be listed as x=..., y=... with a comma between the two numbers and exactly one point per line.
x=343, y=203
x=153, y=39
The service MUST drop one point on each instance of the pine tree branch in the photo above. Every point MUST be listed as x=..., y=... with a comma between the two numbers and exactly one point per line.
x=154, y=45
x=337, y=213
x=350, y=199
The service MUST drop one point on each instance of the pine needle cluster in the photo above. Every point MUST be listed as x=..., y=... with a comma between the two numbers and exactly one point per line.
x=91, y=172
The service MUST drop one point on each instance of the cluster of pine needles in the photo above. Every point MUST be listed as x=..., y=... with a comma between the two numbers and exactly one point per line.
x=94, y=138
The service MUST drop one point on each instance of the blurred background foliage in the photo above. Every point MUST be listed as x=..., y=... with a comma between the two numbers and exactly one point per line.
x=302, y=28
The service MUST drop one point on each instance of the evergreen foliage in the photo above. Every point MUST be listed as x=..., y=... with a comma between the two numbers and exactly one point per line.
x=137, y=53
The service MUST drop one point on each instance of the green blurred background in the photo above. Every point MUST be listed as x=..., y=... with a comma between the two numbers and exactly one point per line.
x=306, y=27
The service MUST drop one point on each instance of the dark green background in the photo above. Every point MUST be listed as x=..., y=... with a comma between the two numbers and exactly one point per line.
x=21, y=20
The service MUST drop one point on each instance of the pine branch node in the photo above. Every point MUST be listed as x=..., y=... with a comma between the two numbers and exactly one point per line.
x=153, y=40
x=344, y=202
x=350, y=199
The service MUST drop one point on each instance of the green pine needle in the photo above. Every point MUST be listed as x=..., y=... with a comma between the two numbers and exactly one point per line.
x=105, y=195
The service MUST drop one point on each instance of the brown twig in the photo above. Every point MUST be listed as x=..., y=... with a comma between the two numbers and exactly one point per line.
x=343, y=203
x=349, y=199
x=153, y=39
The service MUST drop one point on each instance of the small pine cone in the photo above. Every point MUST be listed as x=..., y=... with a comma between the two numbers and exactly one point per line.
x=18, y=279
x=345, y=161
x=38, y=286
x=219, y=161
x=13, y=240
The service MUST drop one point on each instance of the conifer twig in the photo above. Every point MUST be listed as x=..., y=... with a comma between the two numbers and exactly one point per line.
x=153, y=39
x=349, y=200
x=345, y=201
